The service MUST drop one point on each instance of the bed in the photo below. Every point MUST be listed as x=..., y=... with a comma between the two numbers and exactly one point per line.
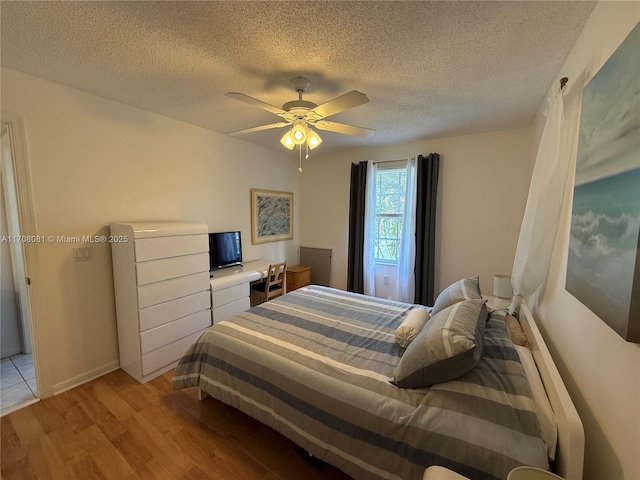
x=316, y=365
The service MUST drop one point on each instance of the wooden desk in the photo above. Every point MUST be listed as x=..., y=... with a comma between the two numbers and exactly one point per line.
x=230, y=288
x=249, y=272
x=298, y=276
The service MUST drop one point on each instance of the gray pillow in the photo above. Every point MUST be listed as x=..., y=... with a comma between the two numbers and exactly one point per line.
x=464, y=289
x=449, y=345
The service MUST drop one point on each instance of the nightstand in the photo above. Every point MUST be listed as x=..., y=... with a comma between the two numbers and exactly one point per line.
x=531, y=473
x=298, y=276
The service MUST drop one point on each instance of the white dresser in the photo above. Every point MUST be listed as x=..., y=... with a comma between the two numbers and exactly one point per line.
x=163, y=301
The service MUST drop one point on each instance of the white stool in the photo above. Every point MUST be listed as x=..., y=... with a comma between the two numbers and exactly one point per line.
x=441, y=473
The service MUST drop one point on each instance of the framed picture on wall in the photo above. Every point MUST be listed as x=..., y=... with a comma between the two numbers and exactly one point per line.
x=603, y=266
x=271, y=216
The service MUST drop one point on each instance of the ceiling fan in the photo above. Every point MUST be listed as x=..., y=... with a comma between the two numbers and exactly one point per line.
x=301, y=115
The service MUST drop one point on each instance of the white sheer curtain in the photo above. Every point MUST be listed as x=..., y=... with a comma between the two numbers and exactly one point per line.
x=405, y=281
x=405, y=285
x=369, y=264
x=544, y=203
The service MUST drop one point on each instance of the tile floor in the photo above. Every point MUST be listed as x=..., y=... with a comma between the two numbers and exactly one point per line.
x=17, y=382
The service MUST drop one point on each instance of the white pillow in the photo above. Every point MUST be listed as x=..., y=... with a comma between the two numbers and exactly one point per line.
x=545, y=413
x=411, y=326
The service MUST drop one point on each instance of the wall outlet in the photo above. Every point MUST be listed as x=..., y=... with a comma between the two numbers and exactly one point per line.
x=386, y=279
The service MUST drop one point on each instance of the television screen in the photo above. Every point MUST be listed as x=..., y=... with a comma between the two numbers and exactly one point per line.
x=225, y=249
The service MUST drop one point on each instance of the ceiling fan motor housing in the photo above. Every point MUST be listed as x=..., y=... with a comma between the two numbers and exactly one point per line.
x=298, y=107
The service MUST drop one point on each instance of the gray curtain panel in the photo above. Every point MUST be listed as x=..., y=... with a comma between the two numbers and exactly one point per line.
x=426, y=208
x=355, y=271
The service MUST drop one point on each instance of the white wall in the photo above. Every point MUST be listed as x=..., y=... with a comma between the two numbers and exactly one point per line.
x=94, y=161
x=601, y=370
x=483, y=184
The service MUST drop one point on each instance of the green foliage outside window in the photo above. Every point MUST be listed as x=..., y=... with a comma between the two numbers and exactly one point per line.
x=390, y=199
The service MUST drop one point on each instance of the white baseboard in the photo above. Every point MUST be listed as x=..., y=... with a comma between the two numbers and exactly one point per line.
x=85, y=377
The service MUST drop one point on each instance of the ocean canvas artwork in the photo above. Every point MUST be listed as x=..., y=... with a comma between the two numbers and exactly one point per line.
x=604, y=260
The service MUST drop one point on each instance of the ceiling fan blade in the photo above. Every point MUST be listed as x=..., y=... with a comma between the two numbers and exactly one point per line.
x=260, y=128
x=344, y=128
x=341, y=103
x=255, y=102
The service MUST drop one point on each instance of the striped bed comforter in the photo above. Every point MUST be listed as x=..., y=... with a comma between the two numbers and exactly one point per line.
x=315, y=365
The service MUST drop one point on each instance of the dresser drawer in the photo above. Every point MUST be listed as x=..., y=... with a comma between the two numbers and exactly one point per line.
x=231, y=309
x=174, y=246
x=160, y=292
x=164, y=334
x=229, y=294
x=156, y=359
x=162, y=313
x=158, y=270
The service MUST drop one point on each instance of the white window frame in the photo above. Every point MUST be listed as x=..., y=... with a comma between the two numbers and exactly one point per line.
x=400, y=166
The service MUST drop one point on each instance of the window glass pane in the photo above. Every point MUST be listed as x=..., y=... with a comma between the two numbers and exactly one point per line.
x=388, y=235
x=390, y=191
x=390, y=198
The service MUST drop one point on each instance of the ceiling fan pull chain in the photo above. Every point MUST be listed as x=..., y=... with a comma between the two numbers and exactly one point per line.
x=300, y=158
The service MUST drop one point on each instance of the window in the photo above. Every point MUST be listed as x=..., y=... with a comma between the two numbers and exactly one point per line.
x=390, y=201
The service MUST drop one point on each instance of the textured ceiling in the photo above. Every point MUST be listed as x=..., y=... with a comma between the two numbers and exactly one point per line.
x=430, y=69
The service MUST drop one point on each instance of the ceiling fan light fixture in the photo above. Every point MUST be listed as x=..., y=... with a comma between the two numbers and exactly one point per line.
x=313, y=139
x=287, y=140
x=299, y=133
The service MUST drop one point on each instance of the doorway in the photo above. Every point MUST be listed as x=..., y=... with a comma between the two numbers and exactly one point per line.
x=18, y=373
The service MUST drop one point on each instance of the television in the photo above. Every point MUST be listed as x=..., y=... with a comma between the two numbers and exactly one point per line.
x=225, y=250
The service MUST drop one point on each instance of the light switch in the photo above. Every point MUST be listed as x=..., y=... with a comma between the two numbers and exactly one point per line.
x=82, y=254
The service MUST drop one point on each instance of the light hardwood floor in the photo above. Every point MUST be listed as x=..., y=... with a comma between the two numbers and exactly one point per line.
x=116, y=428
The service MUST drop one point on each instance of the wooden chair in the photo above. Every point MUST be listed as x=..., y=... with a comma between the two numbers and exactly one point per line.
x=273, y=285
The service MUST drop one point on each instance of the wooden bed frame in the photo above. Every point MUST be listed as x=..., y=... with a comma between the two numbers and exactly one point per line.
x=570, y=450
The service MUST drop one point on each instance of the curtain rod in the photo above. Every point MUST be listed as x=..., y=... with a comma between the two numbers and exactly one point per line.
x=390, y=161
